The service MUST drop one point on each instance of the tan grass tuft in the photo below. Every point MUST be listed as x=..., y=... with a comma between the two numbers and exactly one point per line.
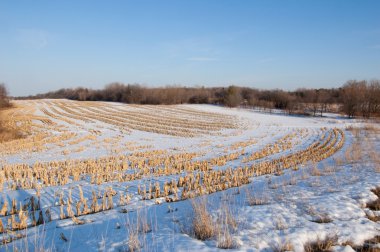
x=321, y=245
x=203, y=226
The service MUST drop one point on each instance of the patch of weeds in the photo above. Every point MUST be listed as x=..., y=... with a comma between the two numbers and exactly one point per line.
x=225, y=225
x=133, y=242
x=282, y=246
x=375, y=205
x=202, y=223
x=257, y=200
x=376, y=191
x=225, y=241
x=321, y=245
x=370, y=245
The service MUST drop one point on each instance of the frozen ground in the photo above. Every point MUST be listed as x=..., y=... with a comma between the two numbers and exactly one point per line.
x=293, y=202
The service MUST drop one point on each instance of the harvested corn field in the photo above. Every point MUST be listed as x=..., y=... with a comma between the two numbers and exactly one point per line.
x=96, y=175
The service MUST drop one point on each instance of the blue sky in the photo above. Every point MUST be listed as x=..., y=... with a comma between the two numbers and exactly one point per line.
x=47, y=45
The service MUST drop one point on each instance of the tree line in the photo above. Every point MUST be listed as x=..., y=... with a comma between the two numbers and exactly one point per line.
x=354, y=98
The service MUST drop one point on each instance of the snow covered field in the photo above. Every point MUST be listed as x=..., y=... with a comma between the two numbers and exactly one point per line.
x=113, y=177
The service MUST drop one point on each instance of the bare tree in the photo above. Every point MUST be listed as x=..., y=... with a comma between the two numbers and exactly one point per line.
x=350, y=100
x=311, y=98
x=361, y=97
x=325, y=100
x=373, y=96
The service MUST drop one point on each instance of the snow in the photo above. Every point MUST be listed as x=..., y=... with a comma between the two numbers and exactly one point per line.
x=294, y=199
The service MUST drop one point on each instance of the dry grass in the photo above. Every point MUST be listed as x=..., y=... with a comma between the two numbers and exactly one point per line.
x=354, y=130
x=256, y=198
x=202, y=223
x=11, y=127
x=370, y=128
x=8, y=134
x=377, y=167
x=375, y=205
x=374, y=157
x=133, y=241
x=282, y=246
x=225, y=240
x=143, y=226
x=226, y=224
x=321, y=245
x=372, y=217
x=371, y=245
x=327, y=169
x=204, y=227
x=376, y=191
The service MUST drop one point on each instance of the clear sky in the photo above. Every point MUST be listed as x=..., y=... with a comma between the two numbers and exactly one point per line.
x=47, y=45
